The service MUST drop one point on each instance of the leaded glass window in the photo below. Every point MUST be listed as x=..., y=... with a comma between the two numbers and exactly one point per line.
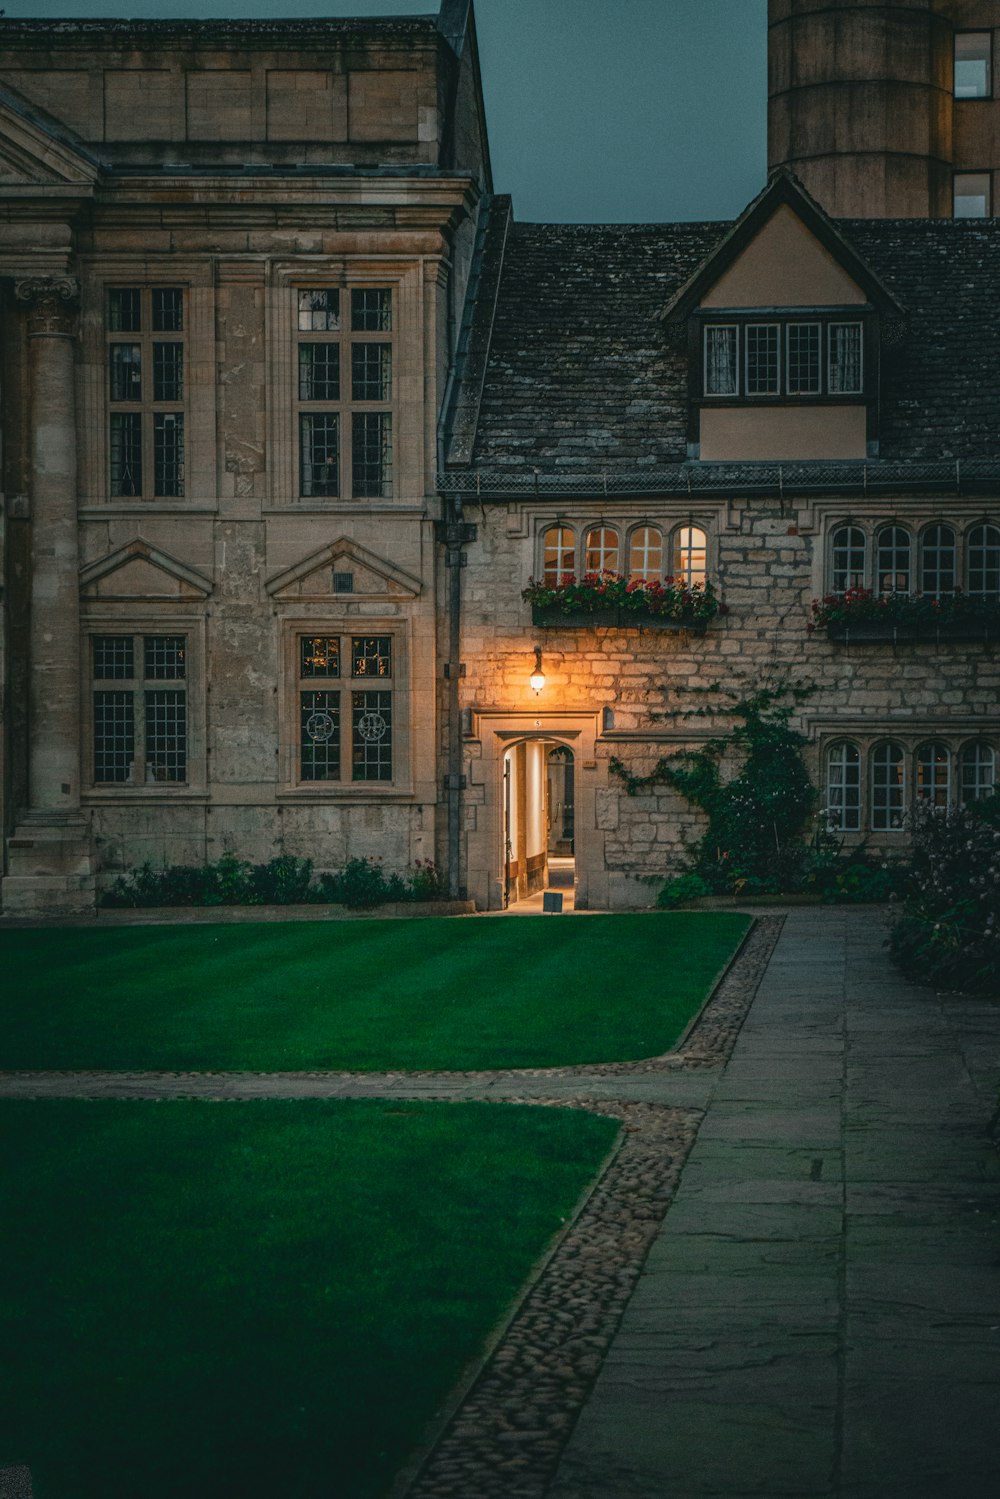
x=934, y=773
x=888, y=787
x=843, y=787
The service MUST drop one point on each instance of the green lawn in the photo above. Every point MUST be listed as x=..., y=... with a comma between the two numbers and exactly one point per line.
x=225, y=1301
x=386, y=995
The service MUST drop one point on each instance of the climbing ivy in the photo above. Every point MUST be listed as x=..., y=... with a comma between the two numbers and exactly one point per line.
x=756, y=819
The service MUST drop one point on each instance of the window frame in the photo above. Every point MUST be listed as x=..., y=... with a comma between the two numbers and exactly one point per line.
x=192, y=626
x=890, y=803
x=965, y=32
x=347, y=684
x=143, y=412
x=347, y=414
x=739, y=322
x=986, y=174
x=962, y=780
x=842, y=785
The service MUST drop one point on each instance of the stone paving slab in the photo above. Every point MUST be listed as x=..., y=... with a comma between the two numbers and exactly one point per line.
x=820, y=1315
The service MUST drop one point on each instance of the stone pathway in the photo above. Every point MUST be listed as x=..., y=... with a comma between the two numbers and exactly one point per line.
x=819, y=1313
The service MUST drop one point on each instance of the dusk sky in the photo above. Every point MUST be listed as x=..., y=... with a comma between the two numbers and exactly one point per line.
x=599, y=110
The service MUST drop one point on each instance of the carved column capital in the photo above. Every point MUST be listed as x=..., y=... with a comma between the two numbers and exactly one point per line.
x=51, y=303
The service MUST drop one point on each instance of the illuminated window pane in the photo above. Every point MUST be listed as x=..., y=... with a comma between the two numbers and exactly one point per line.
x=371, y=656
x=319, y=656
x=690, y=550
x=602, y=550
x=558, y=556
x=645, y=555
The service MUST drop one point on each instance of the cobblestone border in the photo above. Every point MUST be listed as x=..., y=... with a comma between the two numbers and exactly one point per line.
x=507, y=1434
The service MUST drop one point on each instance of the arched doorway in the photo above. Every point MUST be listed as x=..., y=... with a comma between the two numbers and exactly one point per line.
x=539, y=812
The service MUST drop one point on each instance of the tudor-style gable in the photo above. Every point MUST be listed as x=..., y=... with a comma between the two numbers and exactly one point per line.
x=784, y=322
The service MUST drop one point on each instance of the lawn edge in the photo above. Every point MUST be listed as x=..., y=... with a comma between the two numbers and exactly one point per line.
x=713, y=988
x=460, y=1391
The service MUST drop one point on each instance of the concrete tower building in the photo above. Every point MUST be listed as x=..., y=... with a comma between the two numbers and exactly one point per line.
x=887, y=111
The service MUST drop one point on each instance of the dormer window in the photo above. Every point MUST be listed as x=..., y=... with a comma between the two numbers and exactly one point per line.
x=783, y=358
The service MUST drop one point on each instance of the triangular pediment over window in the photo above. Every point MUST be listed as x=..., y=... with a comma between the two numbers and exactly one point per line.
x=38, y=151
x=139, y=571
x=343, y=569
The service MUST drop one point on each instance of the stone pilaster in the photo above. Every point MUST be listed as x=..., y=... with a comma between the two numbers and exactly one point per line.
x=49, y=864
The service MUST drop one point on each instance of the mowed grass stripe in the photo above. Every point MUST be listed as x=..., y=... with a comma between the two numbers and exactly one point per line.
x=421, y=994
x=261, y=1298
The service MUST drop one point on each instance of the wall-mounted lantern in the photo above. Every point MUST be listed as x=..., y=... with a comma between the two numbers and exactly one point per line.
x=537, y=679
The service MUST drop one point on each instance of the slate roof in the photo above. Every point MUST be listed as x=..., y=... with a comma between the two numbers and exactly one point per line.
x=582, y=374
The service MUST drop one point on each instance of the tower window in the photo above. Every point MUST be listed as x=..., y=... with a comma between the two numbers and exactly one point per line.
x=971, y=195
x=972, y=65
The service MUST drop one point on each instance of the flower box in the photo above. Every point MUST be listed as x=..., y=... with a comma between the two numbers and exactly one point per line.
x=869, y=631
x=552, y=617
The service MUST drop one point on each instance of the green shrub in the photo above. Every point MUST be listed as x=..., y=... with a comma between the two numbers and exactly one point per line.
x=678, y=891
x=285, y=880
x=948, y=932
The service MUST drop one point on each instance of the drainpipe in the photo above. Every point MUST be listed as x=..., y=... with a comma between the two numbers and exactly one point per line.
x=454, y=532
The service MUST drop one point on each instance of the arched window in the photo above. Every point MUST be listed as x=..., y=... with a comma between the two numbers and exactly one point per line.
x=983, y=553
x=602, y=550
x=892, y=560
x=848, y=558
x=888, y=782
x=843, y=787
x=937, y=561
x=979, y=771
x=558, y=555
x=645, y=553
x=933, y=773
x=690, y=553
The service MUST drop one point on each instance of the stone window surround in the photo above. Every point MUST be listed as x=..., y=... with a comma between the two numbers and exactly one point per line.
x=282, y=334
x=580, y=522
x=194, y=277
x=962, y=526
x=911, y=741
x=292, y=628
x=123, y=621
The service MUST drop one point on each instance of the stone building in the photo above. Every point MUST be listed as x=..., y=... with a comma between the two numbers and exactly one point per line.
x=887, y=110
x=291, y=402
x=232, y=260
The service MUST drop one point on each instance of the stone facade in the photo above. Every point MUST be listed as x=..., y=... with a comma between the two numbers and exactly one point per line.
x=293, y=411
